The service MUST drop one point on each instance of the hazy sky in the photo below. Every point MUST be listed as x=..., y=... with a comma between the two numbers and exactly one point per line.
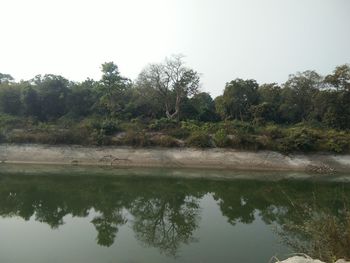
x=222, y=39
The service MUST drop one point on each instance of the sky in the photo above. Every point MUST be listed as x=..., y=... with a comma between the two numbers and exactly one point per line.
x=265, y=40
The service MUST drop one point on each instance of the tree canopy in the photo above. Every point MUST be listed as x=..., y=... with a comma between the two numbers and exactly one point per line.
x=172, y=90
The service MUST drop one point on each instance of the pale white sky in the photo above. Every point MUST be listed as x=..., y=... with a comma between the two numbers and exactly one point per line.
x=222, y=39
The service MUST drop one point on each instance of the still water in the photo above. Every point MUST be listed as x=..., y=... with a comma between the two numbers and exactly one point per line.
x=90, y=215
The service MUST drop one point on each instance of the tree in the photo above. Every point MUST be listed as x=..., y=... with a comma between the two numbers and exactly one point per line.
x=239, y=96
x=297, y=95
x=263, y=112
x=112, y=89
x=82, y=98
x=340, y=79
x=31, y=102
x=270, y=93
x=10, y=99
x=172, y=81
x=53, y=91
x=5, y=78
x=220, y=106
x=143, y=101
x=204, y=107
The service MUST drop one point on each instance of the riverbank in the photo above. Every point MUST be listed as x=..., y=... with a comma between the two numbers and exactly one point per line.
x=173, y=158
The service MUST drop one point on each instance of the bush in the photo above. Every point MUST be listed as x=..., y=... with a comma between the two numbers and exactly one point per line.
x=246, y=142
x=273, y=131
x=133, y=125
x=221, y=139
x=199, y=139
x=66, y=121
x=136, y=139
x=165, y=141
x=98, y=137
x=239, y=127
x=338, y=142
x=74, y=136
x=191, y=125
x=91, y=123
x=109, y=126
x=304, y=140
x=163, y=124
x=179, y=133
x=9, y=122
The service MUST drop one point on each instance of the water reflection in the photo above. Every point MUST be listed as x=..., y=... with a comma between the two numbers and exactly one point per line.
x=165, y=213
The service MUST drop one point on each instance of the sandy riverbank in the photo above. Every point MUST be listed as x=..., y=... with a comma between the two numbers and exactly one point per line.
x=175, y=158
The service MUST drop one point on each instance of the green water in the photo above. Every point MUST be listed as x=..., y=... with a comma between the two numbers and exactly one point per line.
x=91, y=215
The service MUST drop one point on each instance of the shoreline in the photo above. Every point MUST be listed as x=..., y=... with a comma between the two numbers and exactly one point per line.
x=213, y=158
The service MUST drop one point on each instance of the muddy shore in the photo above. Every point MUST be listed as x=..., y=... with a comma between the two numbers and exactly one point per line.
x=227, y=159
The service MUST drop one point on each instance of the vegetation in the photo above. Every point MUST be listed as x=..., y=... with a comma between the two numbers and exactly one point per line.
x=165, y=107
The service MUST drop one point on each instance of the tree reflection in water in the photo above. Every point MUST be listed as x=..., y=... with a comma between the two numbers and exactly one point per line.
x=165, y=213
x=166, y=222
x=106, y=225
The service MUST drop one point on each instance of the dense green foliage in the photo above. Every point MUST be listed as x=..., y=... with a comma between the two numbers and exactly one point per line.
x=164, y=107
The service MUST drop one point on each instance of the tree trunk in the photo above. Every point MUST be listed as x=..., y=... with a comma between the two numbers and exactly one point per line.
x=177, y=108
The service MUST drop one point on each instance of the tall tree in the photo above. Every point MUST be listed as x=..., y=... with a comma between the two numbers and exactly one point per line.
x=204, y=107
x=10, y=99
x=239, y=96
x=82, y=98
x=53, y=91
x=269, y=103
x=297, y=95
x=173, y=82
x=31, y=101
x=112, y=89
x=340, y=79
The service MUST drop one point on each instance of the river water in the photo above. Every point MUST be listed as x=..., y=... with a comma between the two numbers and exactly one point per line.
x=98, y=215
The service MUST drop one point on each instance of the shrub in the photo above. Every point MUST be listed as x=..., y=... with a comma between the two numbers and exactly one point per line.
x=91, y=123
x=221, y=139
x=9, y=122
x=165, y=141
x=133, y=125
x=240, y=127
x=190, y=125
x=246, y=142
x=66, y=121
x=273, y=131
x=109, y=126
x=304, y=140
x=199, y=139
x=136, y=139
x=73, y=136
x=163, y=124
x=179, y=133
x=98, y=137
x=338, y=142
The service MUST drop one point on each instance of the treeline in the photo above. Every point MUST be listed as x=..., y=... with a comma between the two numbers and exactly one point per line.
x=170, y=92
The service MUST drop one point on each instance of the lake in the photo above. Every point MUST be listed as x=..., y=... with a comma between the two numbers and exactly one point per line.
x=139, y=215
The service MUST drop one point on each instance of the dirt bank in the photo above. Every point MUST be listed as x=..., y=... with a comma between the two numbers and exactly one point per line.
x=184, y=158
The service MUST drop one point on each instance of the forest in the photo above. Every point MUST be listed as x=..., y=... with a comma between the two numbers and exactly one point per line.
x=166, y=107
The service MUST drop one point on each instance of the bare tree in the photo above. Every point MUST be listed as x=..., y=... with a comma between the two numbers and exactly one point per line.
x=173, y=82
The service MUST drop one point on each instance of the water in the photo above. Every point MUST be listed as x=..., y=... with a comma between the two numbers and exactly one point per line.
x=95, y=215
